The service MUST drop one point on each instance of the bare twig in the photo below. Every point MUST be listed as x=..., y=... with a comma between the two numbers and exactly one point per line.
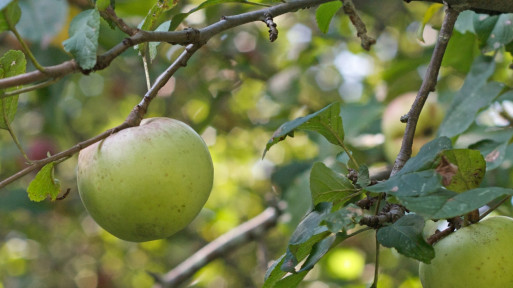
x=428, y=85
x=184, y=37
x=361, y=30
x=226, y=243
x=110, y=14
x=273, y=31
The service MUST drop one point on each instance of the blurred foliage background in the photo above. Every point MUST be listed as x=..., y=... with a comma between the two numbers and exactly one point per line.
x=235, y=92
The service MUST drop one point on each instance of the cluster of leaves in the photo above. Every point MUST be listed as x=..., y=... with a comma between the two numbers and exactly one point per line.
x=441, y=182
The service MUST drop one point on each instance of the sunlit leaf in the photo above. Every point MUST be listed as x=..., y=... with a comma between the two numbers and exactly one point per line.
x=44, y=184
x=328, y=186
x=11, y=64
x=405, y=235
x=325, y=13
x=326, y=122
x=430, y=12
x=83, y=42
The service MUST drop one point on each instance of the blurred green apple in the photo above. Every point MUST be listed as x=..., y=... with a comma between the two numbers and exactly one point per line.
x=476, y=256
x=430, y=118
x=146, y=182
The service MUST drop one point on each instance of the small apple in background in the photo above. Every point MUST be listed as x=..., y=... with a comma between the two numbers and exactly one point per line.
x=393, y=129
x=146, y=182
x=476, y=256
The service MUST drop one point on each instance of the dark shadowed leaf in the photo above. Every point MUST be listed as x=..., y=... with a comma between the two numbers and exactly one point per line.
x=405, y=235
x=41, y=20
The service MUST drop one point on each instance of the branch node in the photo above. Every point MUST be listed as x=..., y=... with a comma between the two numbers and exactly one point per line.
x=273, y=31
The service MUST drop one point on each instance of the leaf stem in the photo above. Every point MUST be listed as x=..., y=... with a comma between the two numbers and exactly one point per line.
x=12, y=27
x=13, y=136
x=376, y=265
x=29, y=88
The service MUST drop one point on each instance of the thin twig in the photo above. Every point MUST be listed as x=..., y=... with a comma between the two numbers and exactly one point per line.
x=184, y=37
x=376, y=263
x=428, y=85
x=361, y=30
x=29, y=88
x=110, y=14
x=244, y=233
x=24, y=46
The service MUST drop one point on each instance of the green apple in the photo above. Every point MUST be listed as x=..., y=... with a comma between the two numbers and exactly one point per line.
x=476, y=256
x=393, y=129
x=146, y=182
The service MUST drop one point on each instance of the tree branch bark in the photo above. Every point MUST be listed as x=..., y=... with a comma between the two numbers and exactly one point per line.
x=226, y=243
x=184, y=37
x=428, y=85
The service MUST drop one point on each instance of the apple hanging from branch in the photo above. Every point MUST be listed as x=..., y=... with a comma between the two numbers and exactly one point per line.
x=476, y=256
x=146, y=182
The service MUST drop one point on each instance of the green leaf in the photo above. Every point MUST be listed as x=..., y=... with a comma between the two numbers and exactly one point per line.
x=12, y=11
x=102, y=5
x=44, y=184
x=464, y=113
x=326, y=122
x=493, y=152
x=431, y=11
x=363, y=176
x=462, y=169
x=405, y=235
x=153, y=45
x=319, y=249
x=426, y=156
x=307, y=233
x=494, y=31
x=152, y=19
x=447, y=204
x=178, y=18
x=41, y=20
x=11, y=64
x=328, y=186
x=83, y=42
x=343, y=219
x=461, y=51
x=465, y=22
x=325, y=13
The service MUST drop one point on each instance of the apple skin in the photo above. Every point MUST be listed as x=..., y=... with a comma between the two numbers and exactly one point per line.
x=430, y=119
x=476, y=256
x=146, y=182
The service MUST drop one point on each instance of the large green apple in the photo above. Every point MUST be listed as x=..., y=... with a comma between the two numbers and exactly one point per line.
x=430, y=118
x=476, y=256
x=146, y=182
